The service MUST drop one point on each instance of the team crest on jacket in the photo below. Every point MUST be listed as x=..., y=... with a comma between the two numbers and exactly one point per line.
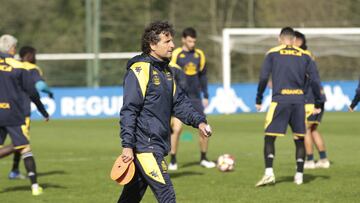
x=156, y=78
x=190, y=69
x=168, y=76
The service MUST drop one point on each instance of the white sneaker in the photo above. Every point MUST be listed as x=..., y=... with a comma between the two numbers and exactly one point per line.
x=322, y=163
x=172, y=167
x=309, y=164
x=298, y=178
x=207, y=164
x=266, y=180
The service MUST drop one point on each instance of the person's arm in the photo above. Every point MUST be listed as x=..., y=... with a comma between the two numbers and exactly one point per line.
x=41, y=86
x=132, y=105
x=202, y=75
x=315, y=83
x=356, y=99
x=28, y=86
x=40, y=83
x=183, y=110
x=263, y=80
x=204, y=83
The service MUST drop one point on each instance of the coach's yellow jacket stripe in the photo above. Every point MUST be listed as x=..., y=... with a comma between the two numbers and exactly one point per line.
x=150, y=166
x=142, y=73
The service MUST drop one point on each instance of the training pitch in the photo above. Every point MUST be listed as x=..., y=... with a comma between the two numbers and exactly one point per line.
x=74, y=158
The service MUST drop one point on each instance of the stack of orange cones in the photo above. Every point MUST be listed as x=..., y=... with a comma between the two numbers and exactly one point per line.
x=122, y=172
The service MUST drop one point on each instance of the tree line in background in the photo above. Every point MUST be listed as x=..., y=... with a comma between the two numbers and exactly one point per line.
x=58, y=26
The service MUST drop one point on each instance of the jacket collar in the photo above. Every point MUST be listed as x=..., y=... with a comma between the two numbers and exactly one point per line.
x=161, y=65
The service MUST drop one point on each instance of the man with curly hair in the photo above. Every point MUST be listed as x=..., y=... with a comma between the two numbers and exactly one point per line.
x=151, y=97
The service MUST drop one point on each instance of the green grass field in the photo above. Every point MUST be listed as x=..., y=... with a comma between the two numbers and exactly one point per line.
x=74, y=158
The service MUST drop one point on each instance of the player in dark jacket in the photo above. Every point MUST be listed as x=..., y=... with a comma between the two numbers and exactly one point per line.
x=151, y=97
x=192, y=61
x=289, y=66
x=28, y=57
x=356, y=99
x=313, y=135
x=14, y=81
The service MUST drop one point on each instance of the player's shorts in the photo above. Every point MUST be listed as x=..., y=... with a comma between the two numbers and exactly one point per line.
x=18, y=136
x=25, y=128
x=313, y=119
x=151, y=170
x=198, y=106
x=280, y=115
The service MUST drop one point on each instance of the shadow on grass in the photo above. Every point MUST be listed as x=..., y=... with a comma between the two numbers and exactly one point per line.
x=27, y=187
x=49, y=173
x=190, y=164
x=307, y=178
x=194, y=163
x=184, y=173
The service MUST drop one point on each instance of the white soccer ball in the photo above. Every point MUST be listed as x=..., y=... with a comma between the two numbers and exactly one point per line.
x=226, y=162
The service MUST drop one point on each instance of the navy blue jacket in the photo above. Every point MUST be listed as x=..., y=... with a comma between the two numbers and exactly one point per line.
x=309, y=93
x=193, y=63
x=150, y=99
x=36, y=75
x=356, y=99
x=289, y=68
x=14, y=81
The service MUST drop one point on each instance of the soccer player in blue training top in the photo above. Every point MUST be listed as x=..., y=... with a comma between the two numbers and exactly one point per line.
x=151, y=97
x=313, y=121
x=28, y=57
x=15, y=80
x=356, y=99
x=288, y=66
x=193, y=63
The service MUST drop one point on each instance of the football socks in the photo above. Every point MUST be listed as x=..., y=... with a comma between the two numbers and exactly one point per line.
x=269, y=151
x=16, y=161
x=30, y=166
x=300, y=155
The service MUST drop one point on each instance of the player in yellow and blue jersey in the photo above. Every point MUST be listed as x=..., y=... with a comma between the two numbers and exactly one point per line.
x=289, y=67
x=28, y=57
x=313, y=135
x=15, y=81
x=192, y=62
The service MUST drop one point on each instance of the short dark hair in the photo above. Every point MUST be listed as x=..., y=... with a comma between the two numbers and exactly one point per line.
x=189, y=32
x=152, y=32
x=287, y=31
x=26, y=50
x=302, y=37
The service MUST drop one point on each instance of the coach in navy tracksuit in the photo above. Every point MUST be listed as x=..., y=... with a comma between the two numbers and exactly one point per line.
x=356, y=99
x=151, y=97
x=15, y=80
x=289, y=67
